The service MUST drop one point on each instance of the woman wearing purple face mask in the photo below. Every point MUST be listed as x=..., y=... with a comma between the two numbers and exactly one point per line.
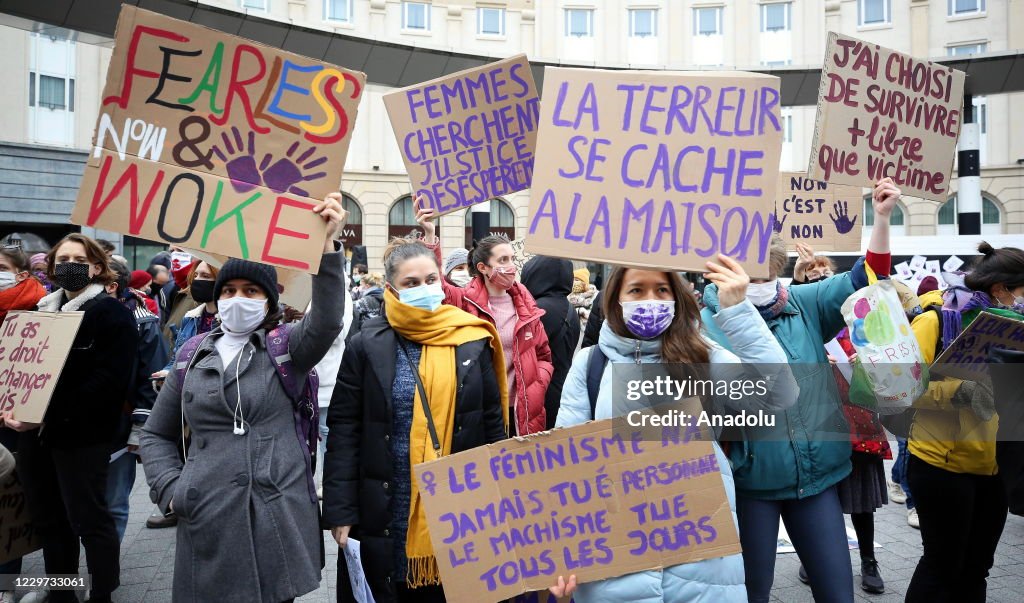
x=494, y=295
x=650, y=318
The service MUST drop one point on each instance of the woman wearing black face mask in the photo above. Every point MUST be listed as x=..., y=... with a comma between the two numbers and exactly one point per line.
x=64, y=466
x=201, y=319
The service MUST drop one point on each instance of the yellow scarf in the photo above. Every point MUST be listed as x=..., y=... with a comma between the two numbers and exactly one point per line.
x=439, y=332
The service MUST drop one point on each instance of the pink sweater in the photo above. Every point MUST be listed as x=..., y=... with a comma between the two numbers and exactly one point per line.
x=504, y=312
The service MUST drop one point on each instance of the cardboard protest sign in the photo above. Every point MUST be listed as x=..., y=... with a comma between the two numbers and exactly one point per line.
x=967, y=357
x=211, y=141
x=468, y=137
x=882, y=113
x=825, y=216
x=17, y=535
x=656, y=169
x=33, y=348
x=593, y=500
x=298, y=286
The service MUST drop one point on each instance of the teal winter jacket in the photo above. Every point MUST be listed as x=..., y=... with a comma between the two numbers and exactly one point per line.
x=808, y=450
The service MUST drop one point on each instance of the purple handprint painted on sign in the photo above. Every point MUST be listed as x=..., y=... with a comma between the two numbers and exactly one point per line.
x=287, y=172
x=842, y=217
x=242, y=170
x=776, y=222
x=279, y=176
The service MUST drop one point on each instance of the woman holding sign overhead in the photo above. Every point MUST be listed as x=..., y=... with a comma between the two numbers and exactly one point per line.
x=790, y=471
x=245, y=496
x=63, y=463
x=952, y=468
x=494, y=295
x=422, y=380
x=651, y=319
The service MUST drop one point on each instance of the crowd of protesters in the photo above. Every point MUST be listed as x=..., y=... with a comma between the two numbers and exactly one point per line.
x=201, y=373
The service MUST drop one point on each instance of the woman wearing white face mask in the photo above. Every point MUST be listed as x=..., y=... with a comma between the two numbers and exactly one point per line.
x=420, y=381
x=790, y=471
x=248, y=517
x=494, y=295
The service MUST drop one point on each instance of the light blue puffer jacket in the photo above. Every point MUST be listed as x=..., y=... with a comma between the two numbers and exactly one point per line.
x=713, y=580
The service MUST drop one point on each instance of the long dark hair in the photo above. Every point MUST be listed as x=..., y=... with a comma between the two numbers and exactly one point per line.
x=997, y=266
x=683, y=347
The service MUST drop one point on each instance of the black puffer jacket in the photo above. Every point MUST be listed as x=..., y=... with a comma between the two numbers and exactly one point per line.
x=549, y=280
x=359, y=466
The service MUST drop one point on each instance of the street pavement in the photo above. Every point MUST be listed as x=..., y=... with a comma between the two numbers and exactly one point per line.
x=147, y=561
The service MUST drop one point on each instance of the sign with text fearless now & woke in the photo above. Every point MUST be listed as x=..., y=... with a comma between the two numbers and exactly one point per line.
x=211, y=141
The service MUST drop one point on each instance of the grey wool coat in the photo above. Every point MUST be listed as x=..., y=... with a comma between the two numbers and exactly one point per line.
x=247, y=529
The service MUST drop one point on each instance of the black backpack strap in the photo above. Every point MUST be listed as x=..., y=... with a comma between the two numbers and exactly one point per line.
x=595, y=370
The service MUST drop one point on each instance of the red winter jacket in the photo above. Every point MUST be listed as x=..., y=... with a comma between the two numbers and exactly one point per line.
x=531, y=354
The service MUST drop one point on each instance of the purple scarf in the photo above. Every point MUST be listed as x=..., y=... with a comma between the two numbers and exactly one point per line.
x=773, y=308
x=956, y=301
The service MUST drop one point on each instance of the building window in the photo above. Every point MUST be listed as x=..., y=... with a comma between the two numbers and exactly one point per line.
x=579, y=22
x=643, y=22
x=960, y=50
x=338, y=10
x=352, y=234
x=502, y=221
x=777, y=63
x=869, y=214
x=957, y=8
x=490, y=21
x=980, y=113
x=787, y=126
x=874, y=12
x=707, y=21
x=416, y=16
x=776, y=17
x=52, y=92
x=402, y=219
x=254, y=4
x=991, y=217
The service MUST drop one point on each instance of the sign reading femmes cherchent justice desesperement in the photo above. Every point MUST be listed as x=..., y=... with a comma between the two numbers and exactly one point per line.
x=468, y=137
x=656, y=169
x=215, y=142
x=885, y=114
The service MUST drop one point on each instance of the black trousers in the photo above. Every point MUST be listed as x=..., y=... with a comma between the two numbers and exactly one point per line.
x=66, y=493
x=962, y=518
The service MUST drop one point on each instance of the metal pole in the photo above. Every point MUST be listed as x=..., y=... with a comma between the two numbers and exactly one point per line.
x=968, y=198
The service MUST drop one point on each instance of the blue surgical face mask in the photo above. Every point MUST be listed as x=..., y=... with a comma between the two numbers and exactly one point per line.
x=425, y=297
